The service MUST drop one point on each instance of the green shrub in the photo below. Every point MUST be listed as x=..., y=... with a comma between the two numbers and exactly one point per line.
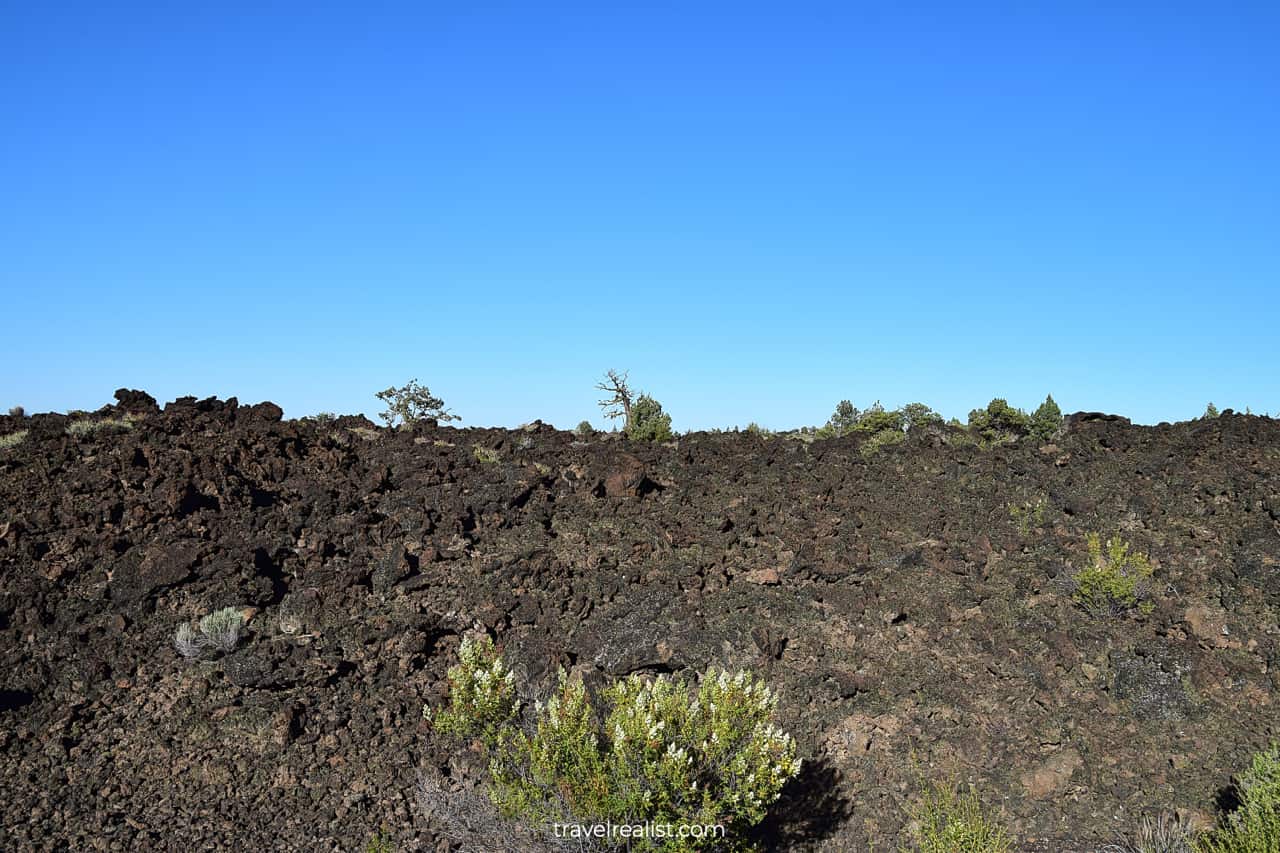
x=482, y=694
x=485, y=454
x=412, y=403
x=584, y=430
x=999, y=422
x=188, y=641
x=948, y=821
x=655, y=750
x=643, y=418
x=1210, y=411
x=648, y=422
x=380, y=842
x=13, y=439
x=1046, y=420
x=1254, y=827
x=878, y=419
x=1027, y=515
x=876, y=441
x=1114, y=579
x=842, y=421
x=918, y=414
x=881, y=426
x=755, y=429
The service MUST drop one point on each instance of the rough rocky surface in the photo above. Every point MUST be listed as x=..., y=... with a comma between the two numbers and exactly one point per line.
x=915, y=626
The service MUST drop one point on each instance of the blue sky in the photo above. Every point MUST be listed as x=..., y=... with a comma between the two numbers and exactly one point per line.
x=758, y=209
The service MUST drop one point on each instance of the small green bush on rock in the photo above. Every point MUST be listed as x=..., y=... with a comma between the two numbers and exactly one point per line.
x=918, y=414
x=999, y=423
x=1115, y=578
x=949, y=821
x=1028, y=515
x=92, y=427
x=482, y=694
x=187, y=641
x=486, y=455
x=881, y=426
x=221, y=628
x=842, y=421
x=879, y=419
x=643, y=418
x=380, y=842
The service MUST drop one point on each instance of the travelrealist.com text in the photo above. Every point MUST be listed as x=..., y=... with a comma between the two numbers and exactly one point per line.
x=649, y=829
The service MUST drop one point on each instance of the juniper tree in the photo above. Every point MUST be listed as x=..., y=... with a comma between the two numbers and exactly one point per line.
x=1047, y=419
x=413, y=403
x=643, y=417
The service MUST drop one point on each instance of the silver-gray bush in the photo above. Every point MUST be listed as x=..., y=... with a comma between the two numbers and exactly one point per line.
x=221, y=628
x=188, y=641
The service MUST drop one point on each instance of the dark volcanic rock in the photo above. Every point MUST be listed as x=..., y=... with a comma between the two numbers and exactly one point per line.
x=145, y=571
x=912, y=608
x=1154, y=683
x=627, y=478
x=136, y=402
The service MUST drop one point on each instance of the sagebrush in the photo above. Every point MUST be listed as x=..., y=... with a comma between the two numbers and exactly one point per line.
x=219, y=630
x=93, y=427
x=13, y=439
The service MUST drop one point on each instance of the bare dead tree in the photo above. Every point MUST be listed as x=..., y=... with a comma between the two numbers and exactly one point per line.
x=618, y=404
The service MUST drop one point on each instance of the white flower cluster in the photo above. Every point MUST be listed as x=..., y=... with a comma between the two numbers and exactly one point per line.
x=666, y=748
x=482, y=691
x=718, y=748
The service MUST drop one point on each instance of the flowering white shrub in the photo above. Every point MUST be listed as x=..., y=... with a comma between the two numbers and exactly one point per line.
x=482, y=693
x=715, y=758
x=662, y=752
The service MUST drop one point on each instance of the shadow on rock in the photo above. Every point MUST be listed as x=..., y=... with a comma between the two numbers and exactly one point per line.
x=810, y=809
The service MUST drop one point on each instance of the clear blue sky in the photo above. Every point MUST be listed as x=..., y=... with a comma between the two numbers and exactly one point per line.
x=759, y=209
